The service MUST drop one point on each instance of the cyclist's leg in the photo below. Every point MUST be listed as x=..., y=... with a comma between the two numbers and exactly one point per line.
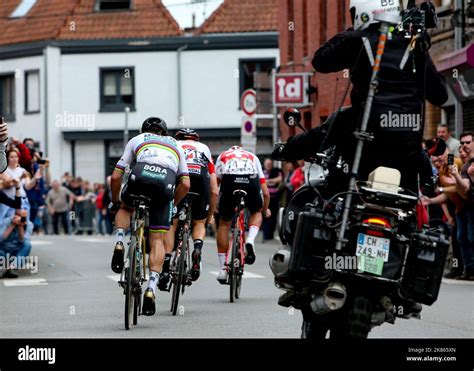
x=169, y=247
x=122, y=224
x=200, y=184
x=199, y=233
x=222, y=247
x=254, y=204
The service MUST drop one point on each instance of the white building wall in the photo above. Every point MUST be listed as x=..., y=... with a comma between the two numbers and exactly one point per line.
x=25, y=125
x=90, y=161
x=54, y=140
x=70, y=85
x=211, y=86
x=155, y=87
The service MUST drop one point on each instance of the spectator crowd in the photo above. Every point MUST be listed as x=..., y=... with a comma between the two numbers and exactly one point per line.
x=32, y=203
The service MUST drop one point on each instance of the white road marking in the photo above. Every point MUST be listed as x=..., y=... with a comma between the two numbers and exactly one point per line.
x=93, y=240
x=25, y=282
x=40, y=242
x=246, y=274
x=114, y=277
x=457, y=282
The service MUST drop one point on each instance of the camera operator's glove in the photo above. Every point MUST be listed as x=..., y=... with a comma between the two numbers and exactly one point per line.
x=114, y=207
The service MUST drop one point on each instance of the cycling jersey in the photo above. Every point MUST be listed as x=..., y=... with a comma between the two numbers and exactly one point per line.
x=237, y=161
x=200, y=165
x=238, y=169
x=158, y=184
x=155, y=150
x=197, y=155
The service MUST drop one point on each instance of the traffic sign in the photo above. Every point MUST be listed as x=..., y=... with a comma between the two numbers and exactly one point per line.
x=248, y=137
x=249, y=126
x=248, y=102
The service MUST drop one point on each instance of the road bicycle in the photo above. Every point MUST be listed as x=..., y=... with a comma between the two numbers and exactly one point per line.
x=134, y=273
x=235, y=258
x=181, y=261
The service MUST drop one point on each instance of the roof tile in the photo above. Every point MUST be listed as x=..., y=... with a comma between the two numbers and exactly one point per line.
x=77, y=20
x=243, y=16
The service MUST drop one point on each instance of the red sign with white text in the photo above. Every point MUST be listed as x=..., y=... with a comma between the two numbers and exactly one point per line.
x=290, y=90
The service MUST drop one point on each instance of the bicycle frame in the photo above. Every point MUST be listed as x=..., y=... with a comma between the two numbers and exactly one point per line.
x=138, y=230
x=240, y=225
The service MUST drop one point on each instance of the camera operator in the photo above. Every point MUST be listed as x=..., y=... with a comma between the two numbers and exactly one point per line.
x=407, y=77
x=15, y=233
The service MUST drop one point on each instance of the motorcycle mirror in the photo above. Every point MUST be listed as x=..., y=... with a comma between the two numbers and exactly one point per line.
x=292, y=118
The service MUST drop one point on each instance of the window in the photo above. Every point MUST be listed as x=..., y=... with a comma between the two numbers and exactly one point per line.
x=248, y=67
x=117, y=89
x=32, y=92
x=22, y=9
x=7, y=97
x=101, y=5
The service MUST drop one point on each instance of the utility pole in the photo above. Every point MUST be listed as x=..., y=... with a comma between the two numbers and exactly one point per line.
x=459, y=43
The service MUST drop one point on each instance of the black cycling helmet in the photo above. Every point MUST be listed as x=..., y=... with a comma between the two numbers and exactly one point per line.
x=185, y=134
x=155, y=125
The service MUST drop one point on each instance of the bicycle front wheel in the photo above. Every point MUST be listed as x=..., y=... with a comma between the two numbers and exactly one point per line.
x=130, y=277
x=233, y=265
x=179, y=277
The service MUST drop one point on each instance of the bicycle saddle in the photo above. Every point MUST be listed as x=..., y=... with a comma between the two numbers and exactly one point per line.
x=240, y=193
x=138, y=199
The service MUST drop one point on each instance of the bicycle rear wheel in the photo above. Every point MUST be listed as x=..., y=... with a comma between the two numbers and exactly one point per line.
x=233, y=267
x=130, y=278
x=180, y=276
x=239, y=274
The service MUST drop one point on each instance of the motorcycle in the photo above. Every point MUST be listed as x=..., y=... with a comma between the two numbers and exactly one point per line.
x=387, y=267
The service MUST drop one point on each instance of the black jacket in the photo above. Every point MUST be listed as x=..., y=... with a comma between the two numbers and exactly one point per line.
x=396, y=113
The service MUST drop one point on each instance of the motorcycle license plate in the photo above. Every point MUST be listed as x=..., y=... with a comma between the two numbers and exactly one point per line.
x=372, y=253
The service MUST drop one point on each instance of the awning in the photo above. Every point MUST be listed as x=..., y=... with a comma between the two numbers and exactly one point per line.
x=458, y=69
x=459, y=58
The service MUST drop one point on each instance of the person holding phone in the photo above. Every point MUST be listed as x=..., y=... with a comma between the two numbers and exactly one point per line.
x=3, y=145
x=15, y=234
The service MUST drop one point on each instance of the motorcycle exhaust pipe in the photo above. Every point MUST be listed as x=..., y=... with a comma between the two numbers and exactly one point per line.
x=332, y=298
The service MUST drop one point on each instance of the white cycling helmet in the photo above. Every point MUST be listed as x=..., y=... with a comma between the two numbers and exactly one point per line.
x=364, y=12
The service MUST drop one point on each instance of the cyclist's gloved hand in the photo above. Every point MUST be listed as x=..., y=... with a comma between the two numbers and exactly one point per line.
x=114, y=207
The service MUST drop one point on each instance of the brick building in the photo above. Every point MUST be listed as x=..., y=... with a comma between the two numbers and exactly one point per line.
x=306, y=24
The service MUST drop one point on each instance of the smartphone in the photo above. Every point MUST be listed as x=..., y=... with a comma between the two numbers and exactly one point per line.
x=450, y=159
x=41, y=162
x=23, y=219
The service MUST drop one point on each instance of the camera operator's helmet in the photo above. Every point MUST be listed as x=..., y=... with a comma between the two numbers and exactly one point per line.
x=155, y=125
x=187, y=134
x=363, y=12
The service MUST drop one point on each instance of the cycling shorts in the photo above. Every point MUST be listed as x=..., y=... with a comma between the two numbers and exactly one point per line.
x=227, y=200
x=201, y=185
x=158, y=184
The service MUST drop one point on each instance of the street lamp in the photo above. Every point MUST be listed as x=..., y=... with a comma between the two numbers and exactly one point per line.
x=125, y=133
